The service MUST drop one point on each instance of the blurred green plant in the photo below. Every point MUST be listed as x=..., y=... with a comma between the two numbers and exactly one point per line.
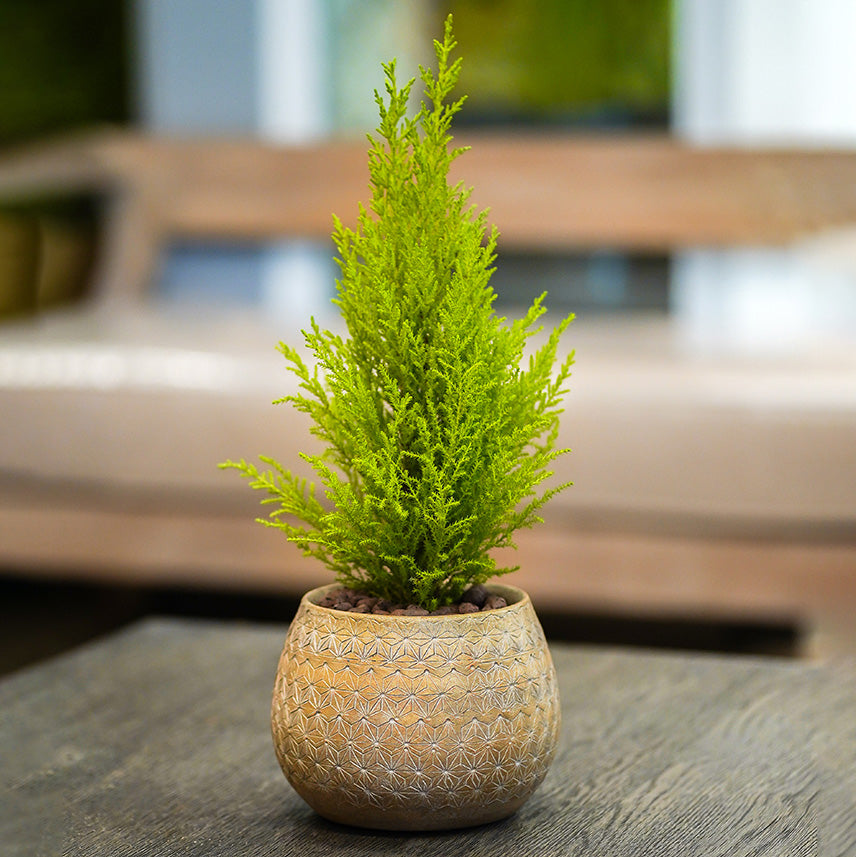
x=565, y=57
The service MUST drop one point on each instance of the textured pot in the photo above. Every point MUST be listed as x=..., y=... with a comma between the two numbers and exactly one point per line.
x=415, y=722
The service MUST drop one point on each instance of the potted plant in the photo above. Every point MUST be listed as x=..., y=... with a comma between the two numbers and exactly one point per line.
x=402, y=700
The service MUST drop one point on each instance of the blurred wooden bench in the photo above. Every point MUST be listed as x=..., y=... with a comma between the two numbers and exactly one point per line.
x=703, y=487
x=546, y=191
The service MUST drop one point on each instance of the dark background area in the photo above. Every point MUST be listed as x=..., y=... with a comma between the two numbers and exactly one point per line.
x=41, y=619
x=63, y=66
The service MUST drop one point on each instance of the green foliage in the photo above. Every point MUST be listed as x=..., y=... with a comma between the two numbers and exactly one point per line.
x=437, y=440
x=555, y=58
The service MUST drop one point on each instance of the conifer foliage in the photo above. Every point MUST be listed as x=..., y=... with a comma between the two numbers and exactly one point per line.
x=438, y=433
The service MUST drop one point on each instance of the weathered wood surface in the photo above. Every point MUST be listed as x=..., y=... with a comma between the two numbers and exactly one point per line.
x=156, y=742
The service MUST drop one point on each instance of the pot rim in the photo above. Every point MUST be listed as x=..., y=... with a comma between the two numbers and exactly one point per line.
x=520, y=596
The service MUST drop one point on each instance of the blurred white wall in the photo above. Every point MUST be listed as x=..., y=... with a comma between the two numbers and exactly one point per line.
x=195, y=70
x=764, y=73
x=293, y=61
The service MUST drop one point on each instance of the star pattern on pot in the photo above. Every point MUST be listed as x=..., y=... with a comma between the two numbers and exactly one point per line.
x=401, y=713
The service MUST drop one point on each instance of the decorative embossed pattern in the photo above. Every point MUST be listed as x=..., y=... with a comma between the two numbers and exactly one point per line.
x=415, y=722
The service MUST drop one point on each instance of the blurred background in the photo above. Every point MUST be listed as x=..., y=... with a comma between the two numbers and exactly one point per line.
x=681, y=174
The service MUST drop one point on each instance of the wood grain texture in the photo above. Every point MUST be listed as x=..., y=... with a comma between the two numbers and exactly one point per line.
x=156, y=742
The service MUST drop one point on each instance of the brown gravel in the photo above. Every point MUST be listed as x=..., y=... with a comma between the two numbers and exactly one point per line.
x=475, y=599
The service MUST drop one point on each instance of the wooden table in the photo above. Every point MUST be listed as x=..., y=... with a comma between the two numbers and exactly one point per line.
x=156, y=742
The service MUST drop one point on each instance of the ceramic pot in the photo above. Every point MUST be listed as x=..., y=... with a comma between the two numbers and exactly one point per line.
x=415, y=722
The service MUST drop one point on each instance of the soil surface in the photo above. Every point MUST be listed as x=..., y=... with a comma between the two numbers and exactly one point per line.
x=474, y=600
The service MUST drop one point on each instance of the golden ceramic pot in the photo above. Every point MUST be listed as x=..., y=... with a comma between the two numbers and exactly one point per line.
x=415, y=722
